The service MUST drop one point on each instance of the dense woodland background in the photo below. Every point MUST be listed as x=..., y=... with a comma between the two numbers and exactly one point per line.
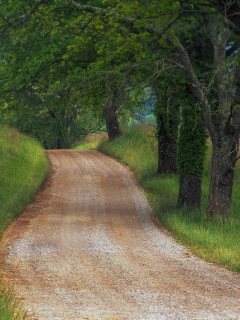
x=69, y=68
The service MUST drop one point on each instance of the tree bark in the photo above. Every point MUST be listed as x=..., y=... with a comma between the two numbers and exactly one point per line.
x=191, y=154
x=167, y=133
x=166, y=111
x=224, y=132
x=220, y=193
x=69, y=123
x=111, y=112
x=190, y=191
x=113, y=127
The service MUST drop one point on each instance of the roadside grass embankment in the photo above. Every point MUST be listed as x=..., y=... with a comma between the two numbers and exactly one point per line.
x=90, y=142
x=212, y=240
x=23, y=167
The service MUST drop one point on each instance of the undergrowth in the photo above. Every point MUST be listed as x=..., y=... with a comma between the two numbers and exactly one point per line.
x=23, y=167
x=215, y=241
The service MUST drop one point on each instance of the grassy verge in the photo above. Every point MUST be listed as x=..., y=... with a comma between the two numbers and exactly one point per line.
x=91, y=142
x=23, y=167
x=216, y=242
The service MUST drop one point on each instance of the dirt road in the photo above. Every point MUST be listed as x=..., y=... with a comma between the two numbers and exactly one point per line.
x=86, y=249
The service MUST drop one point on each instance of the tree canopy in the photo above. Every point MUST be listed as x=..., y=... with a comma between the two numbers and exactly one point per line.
x=97, y=56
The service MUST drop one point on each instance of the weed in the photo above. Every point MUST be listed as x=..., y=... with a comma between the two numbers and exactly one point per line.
x=10, y=308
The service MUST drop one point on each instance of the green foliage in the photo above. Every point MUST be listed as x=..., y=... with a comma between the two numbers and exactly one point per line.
x=72, y=54
x=192, y=143
x=53, y=74
x=48, y=120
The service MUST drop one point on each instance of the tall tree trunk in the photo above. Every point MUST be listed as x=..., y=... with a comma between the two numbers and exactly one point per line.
x=223, y=129
x=191, y=154
x=167, y=133
x=69, y=124
x=220, y=193
x=111, y=112
x=166, y=111
x=112, y=123
x=190, y=191
x=62, y=129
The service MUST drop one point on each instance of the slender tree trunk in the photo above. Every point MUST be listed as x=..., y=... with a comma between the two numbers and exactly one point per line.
x=167, y=115
x=62, y=127
x=112, y=123
x=70, y=134
x=62, y=144
x=111, y=112
x=69, y=123
x=167, y=133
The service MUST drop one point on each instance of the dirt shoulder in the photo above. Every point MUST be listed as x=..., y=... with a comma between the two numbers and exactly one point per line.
x=86, y=249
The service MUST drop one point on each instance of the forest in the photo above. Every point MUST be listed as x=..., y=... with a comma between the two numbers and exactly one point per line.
x=69, y=68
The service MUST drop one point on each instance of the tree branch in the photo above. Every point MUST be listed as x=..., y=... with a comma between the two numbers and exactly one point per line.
x=4, y=18
x=115, y=14
x=121, y=105
x=197, y=88
x=22, y=18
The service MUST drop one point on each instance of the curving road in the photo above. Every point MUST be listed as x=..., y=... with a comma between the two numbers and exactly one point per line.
x=86, y=249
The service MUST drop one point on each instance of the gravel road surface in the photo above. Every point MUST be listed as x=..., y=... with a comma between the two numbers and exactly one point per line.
x=87, y=249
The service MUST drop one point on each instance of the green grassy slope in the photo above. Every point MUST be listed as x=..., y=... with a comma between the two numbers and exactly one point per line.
x=23, y=167
x=216, y=242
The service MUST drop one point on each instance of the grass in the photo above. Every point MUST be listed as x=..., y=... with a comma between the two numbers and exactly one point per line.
x=23, y=167
x=212, y=240
x=90, y=142
x=9, y=308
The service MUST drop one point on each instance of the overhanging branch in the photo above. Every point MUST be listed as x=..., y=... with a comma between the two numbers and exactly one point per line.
x=197, y=88
x=22, y=18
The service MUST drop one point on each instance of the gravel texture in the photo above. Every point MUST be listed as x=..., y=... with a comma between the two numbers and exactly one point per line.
x=87, y=249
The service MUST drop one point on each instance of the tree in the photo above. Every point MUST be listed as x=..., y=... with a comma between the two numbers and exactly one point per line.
x=222, y=119
x=69, y=43
x=167, y=116
x=20, y=11
x=111, y=111
x=142, y=27
x=228, y=9
x=191, y=154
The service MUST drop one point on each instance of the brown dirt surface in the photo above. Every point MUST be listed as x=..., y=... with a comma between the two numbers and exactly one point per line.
x=85, y=248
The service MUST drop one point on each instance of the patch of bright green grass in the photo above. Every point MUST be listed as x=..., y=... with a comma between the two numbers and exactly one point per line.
x=23, y=167
x=87, y=145
x=9, y=308
x=215, y=241
x=90, y=142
